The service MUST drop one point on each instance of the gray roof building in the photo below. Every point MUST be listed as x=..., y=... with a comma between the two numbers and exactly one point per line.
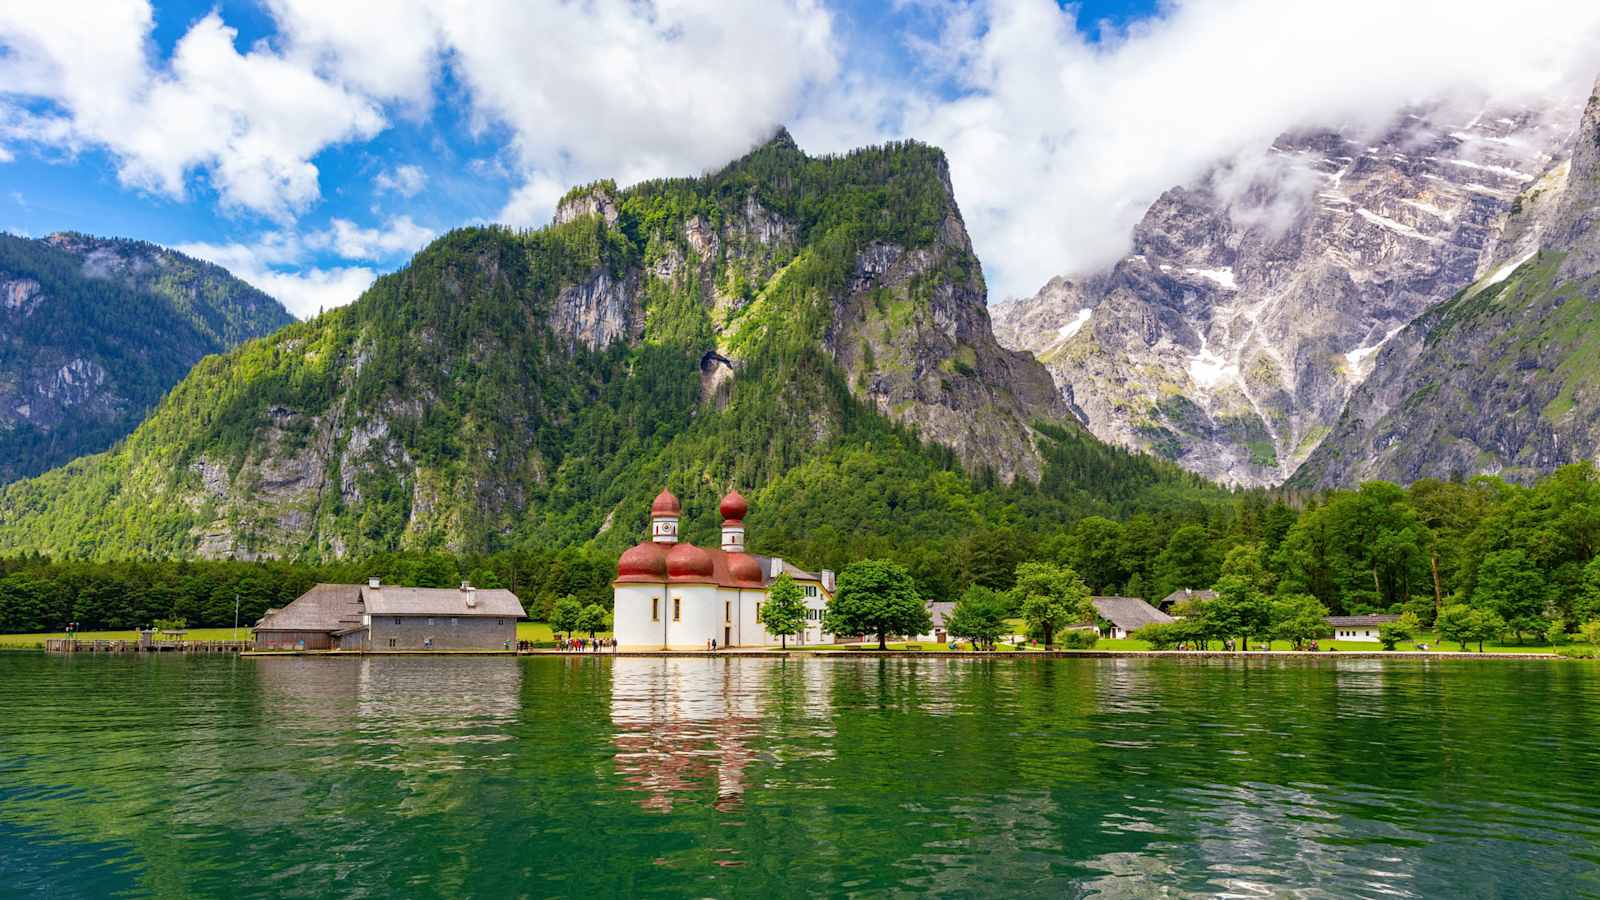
x=342, y=615
x=1358, y=621
x=1127, y=614
x=1184, y=594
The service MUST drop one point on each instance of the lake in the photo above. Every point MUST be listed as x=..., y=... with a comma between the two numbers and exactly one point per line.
x=400, y=777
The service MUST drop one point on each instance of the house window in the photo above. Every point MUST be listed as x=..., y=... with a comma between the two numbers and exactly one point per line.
x=391, y=640
x=677, y=609
x=499, y=621
x=655, y=609
x=455, y=620
x=758, y=612
x=811, y=590
x=430, y=620
x=397, y=622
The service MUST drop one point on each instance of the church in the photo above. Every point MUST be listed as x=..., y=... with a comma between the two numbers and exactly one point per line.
x=676, y=596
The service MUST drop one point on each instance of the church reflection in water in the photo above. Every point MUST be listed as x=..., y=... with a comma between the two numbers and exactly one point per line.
x=685, y=726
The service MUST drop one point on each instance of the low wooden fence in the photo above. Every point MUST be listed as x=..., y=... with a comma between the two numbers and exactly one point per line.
x=64, y=645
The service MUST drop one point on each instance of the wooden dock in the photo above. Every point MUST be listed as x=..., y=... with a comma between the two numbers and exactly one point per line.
x=64, y=645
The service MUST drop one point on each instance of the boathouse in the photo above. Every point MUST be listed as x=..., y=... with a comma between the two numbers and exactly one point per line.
x=376, y=617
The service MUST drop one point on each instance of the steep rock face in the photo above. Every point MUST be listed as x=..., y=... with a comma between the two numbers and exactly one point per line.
x=513, y=386
x=93, y=331
x=1254, y=301
x=1505, y=377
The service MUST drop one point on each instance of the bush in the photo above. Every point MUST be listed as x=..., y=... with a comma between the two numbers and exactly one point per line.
x=1579, y=652
x=1590, y=632
x=1079, y=639
x=1557, y=634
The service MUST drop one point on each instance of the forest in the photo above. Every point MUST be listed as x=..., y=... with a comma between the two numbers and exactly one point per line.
x=1526, y=554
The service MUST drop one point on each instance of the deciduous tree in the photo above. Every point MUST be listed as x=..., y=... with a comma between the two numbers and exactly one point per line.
x=1052, y=597
x=784, y=613
x=877, y=597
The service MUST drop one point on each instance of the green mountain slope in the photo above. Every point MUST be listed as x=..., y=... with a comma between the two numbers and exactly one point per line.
x=1502, y=379
x=94, y=331
x=812, y=330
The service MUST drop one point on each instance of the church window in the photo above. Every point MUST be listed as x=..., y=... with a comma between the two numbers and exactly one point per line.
x=727, y=610
x=677, y=609
x=655, y=609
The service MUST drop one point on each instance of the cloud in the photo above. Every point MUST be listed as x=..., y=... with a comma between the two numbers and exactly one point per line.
x=1058, y=144
x=533, y=203
x=611, y=88
x=399, y=236
x=251, y=122
x=407, y=181
x=1058, y=141
x=283, y=263
x=305, y=290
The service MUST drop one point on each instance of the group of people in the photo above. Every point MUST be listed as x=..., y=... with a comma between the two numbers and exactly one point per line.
x=590, y=645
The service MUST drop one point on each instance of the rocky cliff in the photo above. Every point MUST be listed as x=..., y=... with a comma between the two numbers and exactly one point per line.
x=512, y=386
x=1257, y=299
x=1505, y=377
x=94, y=331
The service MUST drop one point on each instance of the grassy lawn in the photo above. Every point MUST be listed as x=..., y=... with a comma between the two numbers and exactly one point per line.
x=526, y=631
x=195, y=634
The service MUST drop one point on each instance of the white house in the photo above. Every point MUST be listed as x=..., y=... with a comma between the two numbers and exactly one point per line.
x=1357, y=628
x=673, y=596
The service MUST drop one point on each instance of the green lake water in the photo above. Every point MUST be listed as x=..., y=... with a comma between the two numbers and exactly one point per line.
x=403, y=777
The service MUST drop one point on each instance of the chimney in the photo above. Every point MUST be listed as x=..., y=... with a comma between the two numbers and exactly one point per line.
x=373, y=583
x=472, y=597
x=777, y=567
x=827, y=580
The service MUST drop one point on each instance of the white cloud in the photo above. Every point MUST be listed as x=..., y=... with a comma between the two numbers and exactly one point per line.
x=282, y=262
x=1058, y=145
x=534, y=203
x=399, y=236
x=251, y=122
x=304, y=290
x=407, y=180
x=610, y=88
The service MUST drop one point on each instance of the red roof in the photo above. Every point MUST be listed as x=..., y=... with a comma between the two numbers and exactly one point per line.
x=665, y=504
x=734, y=507
x=643, y=562
x=734, y=570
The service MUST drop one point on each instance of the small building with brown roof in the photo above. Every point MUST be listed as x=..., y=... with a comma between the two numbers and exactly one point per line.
x=1122, y=616
x=375, y=617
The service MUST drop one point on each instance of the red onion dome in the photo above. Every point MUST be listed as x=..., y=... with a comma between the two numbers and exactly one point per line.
x=744, y=567
x=665, y=504
x=646, y=560
x=689, y=561
x=734, y=506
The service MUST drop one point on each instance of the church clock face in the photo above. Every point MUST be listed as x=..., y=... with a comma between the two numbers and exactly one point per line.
x=665, y=528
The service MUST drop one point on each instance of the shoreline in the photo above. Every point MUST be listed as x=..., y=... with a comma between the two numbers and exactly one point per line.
x=755, y=653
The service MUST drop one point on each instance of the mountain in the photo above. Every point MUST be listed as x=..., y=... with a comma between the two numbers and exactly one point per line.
x=812, y=330
x=1505, y=377
x=94, y=331
x=1255, y=300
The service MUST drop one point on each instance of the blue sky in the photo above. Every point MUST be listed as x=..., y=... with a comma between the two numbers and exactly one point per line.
x=310, y=146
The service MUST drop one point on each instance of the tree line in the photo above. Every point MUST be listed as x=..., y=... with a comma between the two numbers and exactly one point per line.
x=1467, y=557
